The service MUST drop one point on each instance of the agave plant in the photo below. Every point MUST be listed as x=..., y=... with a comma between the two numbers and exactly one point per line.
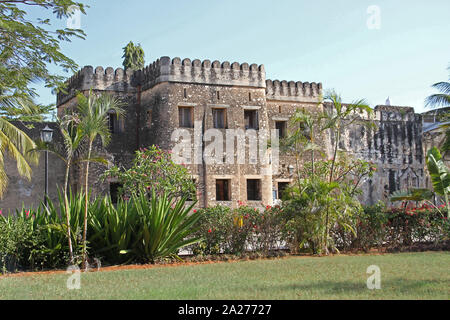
x=112, y=229
x=165, y=226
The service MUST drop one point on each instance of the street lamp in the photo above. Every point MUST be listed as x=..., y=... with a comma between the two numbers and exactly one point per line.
x=291, y=169
x=47, y=137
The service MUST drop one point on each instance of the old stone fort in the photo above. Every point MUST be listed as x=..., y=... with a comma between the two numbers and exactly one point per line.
x=175, y=93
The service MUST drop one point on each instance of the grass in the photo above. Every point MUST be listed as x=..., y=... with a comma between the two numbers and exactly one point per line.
x=403, y=276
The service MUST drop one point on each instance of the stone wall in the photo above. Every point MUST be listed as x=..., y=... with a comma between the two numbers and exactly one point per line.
x=154, y=94
x=20, y=191
x=395, y=146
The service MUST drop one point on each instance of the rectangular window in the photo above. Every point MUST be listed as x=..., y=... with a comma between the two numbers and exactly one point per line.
x=113, y=123
x=223, y=190
x=281, y=127
x=305, y=131
x=253, y=190
x=114, y=189
x=149, y=118
x=186, y=116
x=219, y=118
x=282, y=186
x=251, y=119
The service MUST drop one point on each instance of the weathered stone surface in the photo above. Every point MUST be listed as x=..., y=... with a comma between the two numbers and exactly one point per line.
x=154, y=94
x=23, y=193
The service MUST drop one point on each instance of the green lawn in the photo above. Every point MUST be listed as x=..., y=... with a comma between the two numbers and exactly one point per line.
x=403, y=276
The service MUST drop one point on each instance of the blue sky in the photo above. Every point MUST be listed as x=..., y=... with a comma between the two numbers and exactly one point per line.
x=324, y=41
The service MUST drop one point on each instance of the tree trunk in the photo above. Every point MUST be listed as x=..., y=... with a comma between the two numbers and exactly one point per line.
x=86, y=185
x=447, y=204
x=66, y=204
x=336, y=146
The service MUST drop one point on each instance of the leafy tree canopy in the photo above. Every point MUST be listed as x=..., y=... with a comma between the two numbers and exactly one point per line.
x=28, y=47
x=133, y=56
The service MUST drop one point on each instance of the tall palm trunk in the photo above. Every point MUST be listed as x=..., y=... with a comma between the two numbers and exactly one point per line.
x=66, y=204
x=86, y=185
x=333, y=163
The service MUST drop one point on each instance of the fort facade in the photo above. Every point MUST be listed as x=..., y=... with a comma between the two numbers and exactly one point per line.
x=196, y=96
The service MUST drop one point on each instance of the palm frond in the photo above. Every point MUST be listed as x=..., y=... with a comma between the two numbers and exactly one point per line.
x=438, y=100
x=443, y=87
x=17, y=144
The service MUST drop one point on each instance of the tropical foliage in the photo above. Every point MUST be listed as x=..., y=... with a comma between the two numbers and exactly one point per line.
x=136, y=230
x=326, y=191
x=93, y=116
x=153, y=170
x=28, y=47
x=233, y=231
x=441, y=99
x=16, y=144
x=133, y=56
x=440, y=179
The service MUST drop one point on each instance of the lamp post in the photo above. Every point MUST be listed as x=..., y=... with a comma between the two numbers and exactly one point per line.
x=291, y=169
x=46, y=136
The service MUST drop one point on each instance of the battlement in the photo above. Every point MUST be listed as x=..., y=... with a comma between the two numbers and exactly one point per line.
x=99, y=79
x=396, y=113
x=202, y=72
x=293, y=91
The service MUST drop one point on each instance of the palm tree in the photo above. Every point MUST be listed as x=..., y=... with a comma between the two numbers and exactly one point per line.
x=71, y=154
x=73, y=139
x=440, y=99
x=93, y=112
x=17, y=144
x=337, y=119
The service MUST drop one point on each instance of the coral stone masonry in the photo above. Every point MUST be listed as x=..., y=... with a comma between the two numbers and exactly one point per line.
x=196, y=96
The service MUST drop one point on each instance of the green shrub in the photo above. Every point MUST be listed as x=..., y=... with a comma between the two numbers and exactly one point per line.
x=233, y=231
x=381, y=227
x=213, y=229
x=370, y=230
x=141, y=229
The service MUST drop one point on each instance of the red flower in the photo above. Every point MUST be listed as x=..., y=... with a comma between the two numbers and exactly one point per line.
x=195, y=211
x=27, y=212
x=209, y=231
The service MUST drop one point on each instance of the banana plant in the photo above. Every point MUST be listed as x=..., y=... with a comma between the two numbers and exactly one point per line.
x=412, y=194
x=440, y=178
x=440, y=175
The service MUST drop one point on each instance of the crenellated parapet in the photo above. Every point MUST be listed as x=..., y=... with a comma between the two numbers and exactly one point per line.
x=99, y=79
x=293, y=91
x=396, y=113
x=205, y=72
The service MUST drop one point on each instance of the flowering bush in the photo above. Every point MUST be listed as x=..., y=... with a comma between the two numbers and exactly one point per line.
x=154, y=170
x=425, y=224
x=233, y=231
x=381, y=227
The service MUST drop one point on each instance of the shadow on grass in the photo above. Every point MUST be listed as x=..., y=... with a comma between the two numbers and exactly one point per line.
x=394, y=286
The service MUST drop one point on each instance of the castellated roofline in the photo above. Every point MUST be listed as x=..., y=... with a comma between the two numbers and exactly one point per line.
x=289, y=91
x=166, y=69
x=99, y=79
x=189, y=71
